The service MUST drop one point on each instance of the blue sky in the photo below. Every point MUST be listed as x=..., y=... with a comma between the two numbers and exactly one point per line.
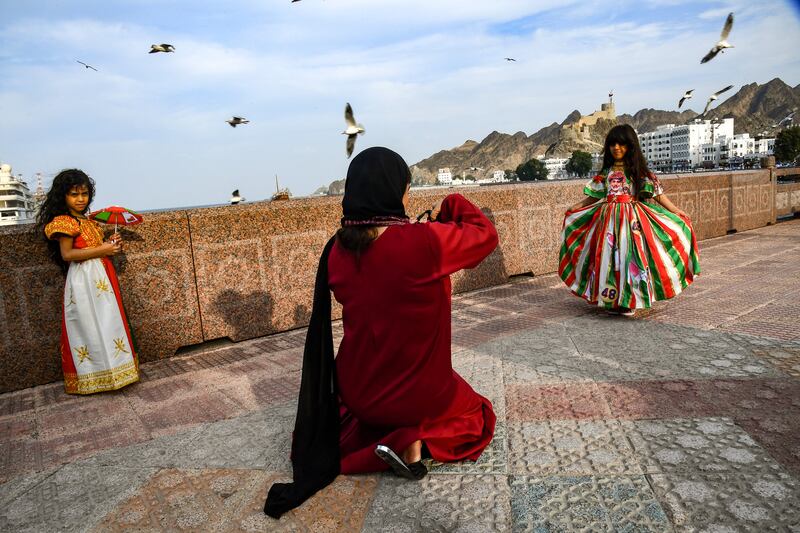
x=421, y=75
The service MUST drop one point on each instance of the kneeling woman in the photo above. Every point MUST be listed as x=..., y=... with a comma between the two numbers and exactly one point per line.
x=619, y=249
x=391, y=395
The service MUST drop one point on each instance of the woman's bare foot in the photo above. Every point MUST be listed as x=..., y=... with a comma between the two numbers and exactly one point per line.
x=413, y=453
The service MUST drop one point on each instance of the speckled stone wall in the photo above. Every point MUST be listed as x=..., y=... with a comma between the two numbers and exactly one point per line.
x=787, y=195
x=248, y=270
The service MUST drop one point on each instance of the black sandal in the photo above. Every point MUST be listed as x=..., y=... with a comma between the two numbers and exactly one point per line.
x=414, y=471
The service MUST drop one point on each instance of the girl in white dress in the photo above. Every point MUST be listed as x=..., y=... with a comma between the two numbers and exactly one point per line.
x=97, y=352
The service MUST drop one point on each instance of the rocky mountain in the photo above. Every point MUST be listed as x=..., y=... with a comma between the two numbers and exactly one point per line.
x=646, y=120
x=756, y=108
x=498, y=151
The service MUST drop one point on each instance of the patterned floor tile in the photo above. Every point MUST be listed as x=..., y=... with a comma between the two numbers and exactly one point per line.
x=570, y=447
x=485, y=375
x=779, y=434
x=756, y=502
x=785, y=359
x=550, y=504
x=559, y=401
x=440, y=504
x=74, y=498
x=697, y=445
x=233, y=500
x=493, y=460
x=171, y=416
x=656, y=399
x=16, y=487
x=257, y=440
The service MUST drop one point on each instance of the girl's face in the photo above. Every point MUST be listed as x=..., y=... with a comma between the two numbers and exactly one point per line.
x=618, y=150
x=78, y=199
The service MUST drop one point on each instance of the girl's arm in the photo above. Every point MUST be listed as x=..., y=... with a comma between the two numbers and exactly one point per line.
x=589, y=200
x=69, y=254
x=663, y=200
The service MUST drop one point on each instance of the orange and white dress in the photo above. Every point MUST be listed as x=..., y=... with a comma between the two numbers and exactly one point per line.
x=97, y=352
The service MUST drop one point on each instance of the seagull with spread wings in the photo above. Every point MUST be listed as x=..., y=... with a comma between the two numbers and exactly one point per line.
x=723, y=43
x=163, y=47
x=236, y=197
x=509, y=59
x=87, y=66
x=686, y=96
x=352, y=130
x=714, y=97
x=788, y=119
x=235, y=121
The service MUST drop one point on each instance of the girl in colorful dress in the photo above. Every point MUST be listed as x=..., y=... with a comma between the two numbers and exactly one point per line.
x=626, y=244
x=96, y=349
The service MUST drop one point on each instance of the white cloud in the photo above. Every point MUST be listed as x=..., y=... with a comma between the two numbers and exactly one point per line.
x=421, y=75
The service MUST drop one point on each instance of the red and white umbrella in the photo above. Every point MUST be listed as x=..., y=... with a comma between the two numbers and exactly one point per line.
x=119, y=216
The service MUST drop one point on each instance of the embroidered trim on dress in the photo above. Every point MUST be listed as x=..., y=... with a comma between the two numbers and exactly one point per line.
x=376, y=221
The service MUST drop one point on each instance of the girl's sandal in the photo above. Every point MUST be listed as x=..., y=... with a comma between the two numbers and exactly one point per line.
x=414, y=471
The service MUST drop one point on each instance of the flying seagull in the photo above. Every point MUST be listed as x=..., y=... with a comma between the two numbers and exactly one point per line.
x=87, y=66
x=714, y=97
x=164, y=47
x=475, y=169
x=352, y=130
x=236, y=197
x=787, y=119
x=235, y=121
x=686, y=96
x=723, y=43
x=510, y=59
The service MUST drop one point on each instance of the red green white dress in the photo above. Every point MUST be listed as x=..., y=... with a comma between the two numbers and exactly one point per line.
x=97, y=352
x=624, y=252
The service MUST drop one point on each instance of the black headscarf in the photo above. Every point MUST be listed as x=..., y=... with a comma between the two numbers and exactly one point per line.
x=374, y=188
x=376, y=182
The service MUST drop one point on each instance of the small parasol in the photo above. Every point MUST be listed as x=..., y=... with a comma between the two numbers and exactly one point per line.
x=117, y=215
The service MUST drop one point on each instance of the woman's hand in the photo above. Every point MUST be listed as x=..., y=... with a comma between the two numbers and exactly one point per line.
x=436, y=209
x=681, y=213
x=432, y=214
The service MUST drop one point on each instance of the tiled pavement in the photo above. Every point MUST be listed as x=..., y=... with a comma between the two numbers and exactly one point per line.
x=686, y=418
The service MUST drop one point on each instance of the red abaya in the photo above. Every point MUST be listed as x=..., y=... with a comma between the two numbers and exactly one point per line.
x=394, y=371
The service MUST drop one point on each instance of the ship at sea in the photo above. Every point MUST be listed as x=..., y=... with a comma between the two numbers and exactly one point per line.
x=17, y=204
x=280, y=194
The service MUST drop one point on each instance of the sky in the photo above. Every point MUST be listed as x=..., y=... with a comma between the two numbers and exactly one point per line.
x=421, y=75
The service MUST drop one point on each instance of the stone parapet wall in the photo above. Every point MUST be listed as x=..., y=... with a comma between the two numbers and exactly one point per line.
x=787, y=193
x=244, y=271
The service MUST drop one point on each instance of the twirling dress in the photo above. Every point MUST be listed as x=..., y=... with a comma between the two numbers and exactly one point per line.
x=96, y=349
x=622, y=252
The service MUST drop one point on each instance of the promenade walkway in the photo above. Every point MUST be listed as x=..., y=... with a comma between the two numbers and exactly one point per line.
x=685, y=418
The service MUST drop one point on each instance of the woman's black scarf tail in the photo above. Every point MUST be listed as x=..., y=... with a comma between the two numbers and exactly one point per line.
x=315, y=446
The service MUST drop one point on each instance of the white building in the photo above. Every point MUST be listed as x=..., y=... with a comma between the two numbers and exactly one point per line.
x=16, y=201
x=499, y=176
x=765, y=146
x=684, y=147
x=656, y=147
x=556, y=167
x=444, y=176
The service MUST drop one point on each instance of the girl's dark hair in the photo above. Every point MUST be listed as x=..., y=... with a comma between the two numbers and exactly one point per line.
x=55, y=204
x=356, y=239
x=634, y=160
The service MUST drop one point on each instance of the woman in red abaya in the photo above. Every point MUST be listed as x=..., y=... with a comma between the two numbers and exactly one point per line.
x=391, y=394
